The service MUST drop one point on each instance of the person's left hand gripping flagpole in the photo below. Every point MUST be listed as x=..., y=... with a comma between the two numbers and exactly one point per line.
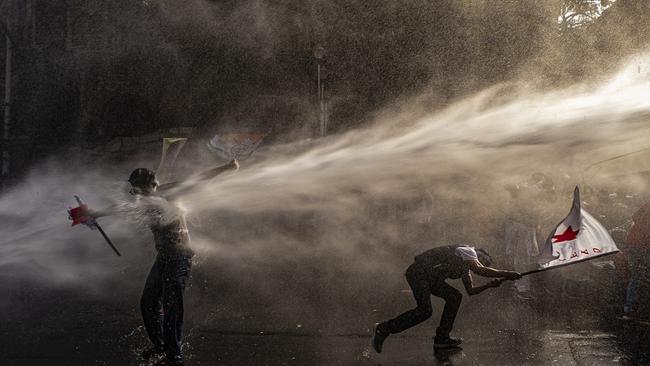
x=79, y=215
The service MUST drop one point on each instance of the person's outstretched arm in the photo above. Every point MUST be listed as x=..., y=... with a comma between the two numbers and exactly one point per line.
x=475, y=290
x=106, y=211
x=176, y=189
x=232, y=165
x=476, y=267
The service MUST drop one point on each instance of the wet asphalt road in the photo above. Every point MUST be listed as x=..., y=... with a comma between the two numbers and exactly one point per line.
x=84, y=345
x=72, y=329
x=507, y=348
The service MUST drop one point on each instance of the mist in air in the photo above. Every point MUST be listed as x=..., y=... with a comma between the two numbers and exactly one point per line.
x=327, y=225
x=318, y=214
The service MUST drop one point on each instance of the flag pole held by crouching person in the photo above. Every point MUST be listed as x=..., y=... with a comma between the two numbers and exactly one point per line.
x=578, y=238
x=79, y=215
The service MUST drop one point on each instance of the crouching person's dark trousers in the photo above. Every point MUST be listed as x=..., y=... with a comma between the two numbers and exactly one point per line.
x=162, y=302
x=423, y=285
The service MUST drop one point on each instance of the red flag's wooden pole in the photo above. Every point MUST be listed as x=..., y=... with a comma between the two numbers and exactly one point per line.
x=110, y=243
x=94, y=223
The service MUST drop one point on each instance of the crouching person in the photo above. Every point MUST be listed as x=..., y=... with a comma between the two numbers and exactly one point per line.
x=427, y=276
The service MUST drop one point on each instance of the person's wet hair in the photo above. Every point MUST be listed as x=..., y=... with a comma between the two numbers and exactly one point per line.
x=143, y=180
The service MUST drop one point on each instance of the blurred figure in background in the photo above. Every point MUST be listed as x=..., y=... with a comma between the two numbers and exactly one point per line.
x=522, y=252
x=638, y=249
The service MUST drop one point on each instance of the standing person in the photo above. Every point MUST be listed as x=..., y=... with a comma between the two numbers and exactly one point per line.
x=162, y=298
x=427, y=276
x=637, y=252
x=520, y=239
x=522, y=250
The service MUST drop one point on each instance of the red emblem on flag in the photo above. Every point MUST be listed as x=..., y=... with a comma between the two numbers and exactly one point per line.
x=567, y=235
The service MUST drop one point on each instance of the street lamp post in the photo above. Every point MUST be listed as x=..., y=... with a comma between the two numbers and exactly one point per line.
x=7, y=109
x=4, y=161
x=319, y=53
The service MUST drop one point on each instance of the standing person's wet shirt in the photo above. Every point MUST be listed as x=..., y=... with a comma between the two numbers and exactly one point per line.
x=167, y=223
x=172, y=239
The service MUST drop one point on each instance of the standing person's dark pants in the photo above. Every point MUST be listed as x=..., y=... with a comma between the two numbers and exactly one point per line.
x=424, y=283
x=162, y=302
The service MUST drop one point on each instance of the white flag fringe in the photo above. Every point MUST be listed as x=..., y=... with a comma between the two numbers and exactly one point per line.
x=577, y=238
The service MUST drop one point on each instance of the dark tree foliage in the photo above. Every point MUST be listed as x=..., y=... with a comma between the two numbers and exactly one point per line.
x=89, y=71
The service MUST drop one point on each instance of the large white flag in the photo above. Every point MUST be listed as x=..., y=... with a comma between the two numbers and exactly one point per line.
x=577, y=238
